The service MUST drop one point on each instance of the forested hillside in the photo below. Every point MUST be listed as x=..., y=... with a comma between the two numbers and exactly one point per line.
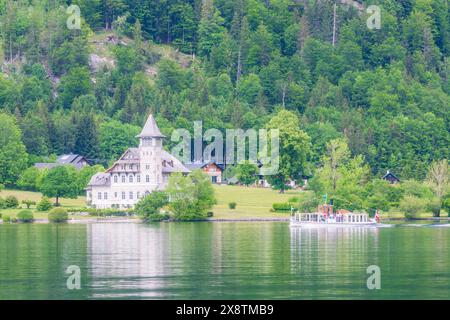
x=232, y=64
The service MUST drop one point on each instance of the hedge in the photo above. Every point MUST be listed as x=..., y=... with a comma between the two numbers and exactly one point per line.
x=284, y=206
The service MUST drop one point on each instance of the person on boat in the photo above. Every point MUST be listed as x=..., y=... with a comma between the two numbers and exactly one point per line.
x=377, y=216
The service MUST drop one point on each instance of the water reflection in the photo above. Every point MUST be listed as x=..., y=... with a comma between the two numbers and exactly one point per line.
x=127, y=259
x=222, y=261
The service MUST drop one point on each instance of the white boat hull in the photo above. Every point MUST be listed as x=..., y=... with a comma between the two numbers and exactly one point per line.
x=304, y=224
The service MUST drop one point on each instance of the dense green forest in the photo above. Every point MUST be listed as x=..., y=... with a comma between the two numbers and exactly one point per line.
x=232, y=64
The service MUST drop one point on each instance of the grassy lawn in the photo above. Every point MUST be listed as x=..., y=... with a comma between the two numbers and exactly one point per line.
x=36, y=196
x=251, y=202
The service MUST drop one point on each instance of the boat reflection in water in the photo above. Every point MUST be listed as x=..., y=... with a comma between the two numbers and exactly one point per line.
x=335, y=258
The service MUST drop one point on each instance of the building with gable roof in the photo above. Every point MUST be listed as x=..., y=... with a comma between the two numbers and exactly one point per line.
x=138, y=172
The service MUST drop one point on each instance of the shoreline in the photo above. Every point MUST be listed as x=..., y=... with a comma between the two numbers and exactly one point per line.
x=136, y=220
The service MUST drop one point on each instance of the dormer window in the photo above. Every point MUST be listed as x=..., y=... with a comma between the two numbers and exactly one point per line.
x=115, y=179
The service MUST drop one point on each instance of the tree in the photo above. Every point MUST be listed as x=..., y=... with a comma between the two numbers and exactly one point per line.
x=114, y=138
x=28, y=179
x=190, y=196
x=149, y=206
x=294, y=149
x=76, y=83
x=85, y=174
x=210, y=29
x=60, y=182
x=438, y=180
x=247, y=173
x=438, y=177
x=13, y=157
x=337, y=154
x=86, y=134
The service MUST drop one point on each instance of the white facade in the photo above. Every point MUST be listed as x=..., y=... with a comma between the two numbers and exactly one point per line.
x=138, y=172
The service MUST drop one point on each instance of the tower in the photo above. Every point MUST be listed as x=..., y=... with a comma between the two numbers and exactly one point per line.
x=150, y=152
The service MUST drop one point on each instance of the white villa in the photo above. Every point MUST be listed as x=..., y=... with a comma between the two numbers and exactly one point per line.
x=138, y=172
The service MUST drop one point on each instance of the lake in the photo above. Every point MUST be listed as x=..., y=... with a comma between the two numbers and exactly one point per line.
x=222, y=260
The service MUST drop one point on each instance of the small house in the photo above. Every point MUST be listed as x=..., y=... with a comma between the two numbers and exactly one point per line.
x=389, y=176
x=211, y=168
x=75, y=160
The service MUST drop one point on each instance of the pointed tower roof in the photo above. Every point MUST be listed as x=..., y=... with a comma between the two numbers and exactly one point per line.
x=150, y=129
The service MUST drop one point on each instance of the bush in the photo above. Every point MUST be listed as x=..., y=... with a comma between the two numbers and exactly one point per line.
x=411, y=206
x=25, y=216
x=6, y=219
x=11, y=202
x=285, y=206
x=294, y=199
x=44, y=204
x=28, y=203
x=232, y=205
x=151, y=204
x=58, y=215
x=210, y=214
x=2, y=203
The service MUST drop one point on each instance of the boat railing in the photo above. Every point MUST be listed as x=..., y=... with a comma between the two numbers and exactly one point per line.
x=318, y=217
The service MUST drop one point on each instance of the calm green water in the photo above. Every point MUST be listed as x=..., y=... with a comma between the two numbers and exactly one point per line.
x=222, y=261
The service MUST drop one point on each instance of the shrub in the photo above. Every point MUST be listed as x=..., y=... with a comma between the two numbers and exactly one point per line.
x=14, y=220
x=0, y=215
x=11, y=202
x=44, y=204
x=28, y=203
x=58, y=215
x=2, y=203
x=25, y=216
x=232, y=205
x=285, y=206
x=411, y=206
x=151, y=204
x=210, y=214
x=6, y=219
x=294, y=199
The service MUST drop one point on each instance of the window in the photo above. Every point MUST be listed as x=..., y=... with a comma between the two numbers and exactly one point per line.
x=105, y=195
x=90, y=195
x=123, y=178
x=131, y=195
x=123, y=195
x=138, y=178
x=130, y=178
x=147, y=178
x=115, y=179
x=147, y=166
x=99, y=196
x=123, y=167
x=138, y=195
x=131, y=167
x=115, y=195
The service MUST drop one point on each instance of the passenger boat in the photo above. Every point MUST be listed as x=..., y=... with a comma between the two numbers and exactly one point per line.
x=325, y=217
